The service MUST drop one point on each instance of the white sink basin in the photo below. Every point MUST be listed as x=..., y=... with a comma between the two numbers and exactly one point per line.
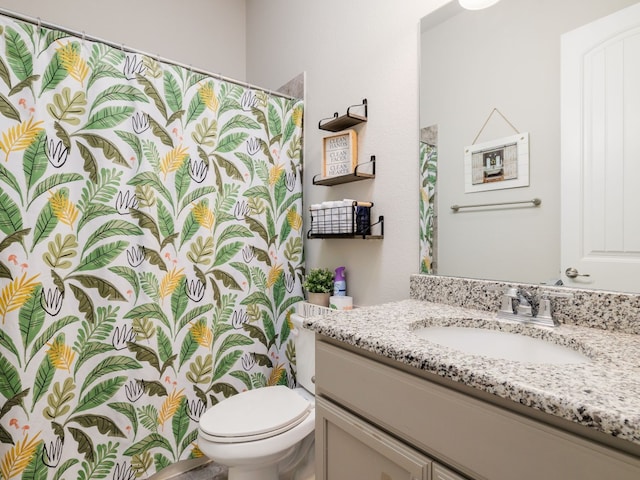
x=501, y=345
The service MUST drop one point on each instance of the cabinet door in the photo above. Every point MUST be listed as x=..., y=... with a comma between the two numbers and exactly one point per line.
x=442, y=473
x=349, y=448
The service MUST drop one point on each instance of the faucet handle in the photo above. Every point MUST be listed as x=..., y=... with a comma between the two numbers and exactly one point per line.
x=509, y=300
x=511, y=292
x=546, y=309
x=529, y=302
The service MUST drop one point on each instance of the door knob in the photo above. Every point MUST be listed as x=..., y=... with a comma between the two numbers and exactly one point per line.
x=573, y=273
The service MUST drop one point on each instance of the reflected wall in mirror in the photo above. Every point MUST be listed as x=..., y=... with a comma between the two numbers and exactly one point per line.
x=505, y=57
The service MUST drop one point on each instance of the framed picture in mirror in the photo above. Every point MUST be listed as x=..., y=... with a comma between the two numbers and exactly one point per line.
x=497, y=164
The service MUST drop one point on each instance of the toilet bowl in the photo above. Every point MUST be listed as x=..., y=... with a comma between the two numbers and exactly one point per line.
x=260, y=432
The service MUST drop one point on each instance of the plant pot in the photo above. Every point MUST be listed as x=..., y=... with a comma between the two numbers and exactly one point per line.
x=321, y=299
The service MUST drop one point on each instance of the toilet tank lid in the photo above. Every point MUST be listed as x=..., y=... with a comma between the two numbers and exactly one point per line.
x=255, y=412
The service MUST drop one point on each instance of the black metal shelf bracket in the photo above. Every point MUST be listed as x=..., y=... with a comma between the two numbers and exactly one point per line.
x=373, y=167
x=338, y=123
x=355, y=176
x=381, y=223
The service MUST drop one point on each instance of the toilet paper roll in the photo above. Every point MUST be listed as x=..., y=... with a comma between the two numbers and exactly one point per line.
x=340, y=303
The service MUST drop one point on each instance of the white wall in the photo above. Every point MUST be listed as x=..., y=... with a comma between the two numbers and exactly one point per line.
x=207, y=34
x=352, y=50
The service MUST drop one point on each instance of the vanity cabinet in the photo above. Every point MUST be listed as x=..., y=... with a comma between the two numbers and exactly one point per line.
x=369, y=404
x=354, y=449
x=442, y=473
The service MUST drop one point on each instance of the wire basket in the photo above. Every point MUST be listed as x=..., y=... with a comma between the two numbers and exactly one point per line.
x=344, y=220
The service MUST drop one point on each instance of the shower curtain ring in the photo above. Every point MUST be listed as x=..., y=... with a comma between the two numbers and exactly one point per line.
x=39, y=23
x=84, y=37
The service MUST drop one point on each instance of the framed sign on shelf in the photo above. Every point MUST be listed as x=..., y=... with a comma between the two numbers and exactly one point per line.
x=339, y=153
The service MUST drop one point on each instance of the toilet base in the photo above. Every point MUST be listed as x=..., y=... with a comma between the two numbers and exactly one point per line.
x=297, y=464
x=247, y=473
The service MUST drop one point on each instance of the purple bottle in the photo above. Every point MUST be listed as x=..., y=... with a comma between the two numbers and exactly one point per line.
x=340, y=283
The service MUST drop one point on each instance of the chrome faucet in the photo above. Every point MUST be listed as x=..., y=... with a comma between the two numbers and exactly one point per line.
x=528, y=303
x=523, y=306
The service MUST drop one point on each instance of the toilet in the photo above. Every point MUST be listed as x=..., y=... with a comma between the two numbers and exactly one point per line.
x=267, y=433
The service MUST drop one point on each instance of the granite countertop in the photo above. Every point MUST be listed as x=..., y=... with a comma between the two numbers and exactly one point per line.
x=603, y=394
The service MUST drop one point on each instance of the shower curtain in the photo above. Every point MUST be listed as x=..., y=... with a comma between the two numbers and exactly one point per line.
x=428, y=174
x=150, y=253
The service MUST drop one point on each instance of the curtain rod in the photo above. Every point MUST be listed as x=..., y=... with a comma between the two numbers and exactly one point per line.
x=37, y=22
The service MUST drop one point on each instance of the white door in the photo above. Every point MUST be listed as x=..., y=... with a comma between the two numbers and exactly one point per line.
x=600, y=166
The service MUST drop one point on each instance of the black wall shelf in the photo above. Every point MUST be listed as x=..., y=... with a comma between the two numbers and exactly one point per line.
x=353, y=230
x=360, y=236
x=355, y=176
x=338, y=123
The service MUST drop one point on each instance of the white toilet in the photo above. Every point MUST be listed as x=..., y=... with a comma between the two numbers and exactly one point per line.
x=267, y=433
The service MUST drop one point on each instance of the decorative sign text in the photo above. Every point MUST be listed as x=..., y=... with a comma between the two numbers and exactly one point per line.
x=339, y=154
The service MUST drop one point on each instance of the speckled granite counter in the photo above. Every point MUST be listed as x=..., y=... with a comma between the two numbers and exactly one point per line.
x=604, y=394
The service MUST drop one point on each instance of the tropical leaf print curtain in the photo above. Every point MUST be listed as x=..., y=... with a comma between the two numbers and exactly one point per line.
x=150, y=253
x=428, y=172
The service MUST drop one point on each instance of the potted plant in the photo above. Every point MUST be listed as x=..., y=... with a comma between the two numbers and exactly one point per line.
x=319, y=285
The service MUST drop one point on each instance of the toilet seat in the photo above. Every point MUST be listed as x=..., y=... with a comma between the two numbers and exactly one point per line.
x=254, y=415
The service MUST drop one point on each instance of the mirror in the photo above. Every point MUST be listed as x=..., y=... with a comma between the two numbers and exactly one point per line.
x=506, y=57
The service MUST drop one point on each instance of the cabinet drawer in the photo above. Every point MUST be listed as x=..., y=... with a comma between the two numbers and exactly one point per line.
x=478, y=439
x=348, y=448
x=441, y=473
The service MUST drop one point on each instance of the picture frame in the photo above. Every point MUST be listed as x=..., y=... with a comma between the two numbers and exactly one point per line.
x=497, y=164
x=339, y=154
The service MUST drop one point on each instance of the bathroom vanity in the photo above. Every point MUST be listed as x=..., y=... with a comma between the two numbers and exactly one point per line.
x=392, y=405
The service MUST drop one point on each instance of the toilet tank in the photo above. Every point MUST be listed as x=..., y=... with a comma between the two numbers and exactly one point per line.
x=305, y=354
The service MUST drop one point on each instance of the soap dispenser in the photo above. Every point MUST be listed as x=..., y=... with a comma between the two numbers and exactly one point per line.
x=340, y=283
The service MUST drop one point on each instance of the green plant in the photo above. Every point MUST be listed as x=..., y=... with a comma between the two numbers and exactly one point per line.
x=319, y=280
